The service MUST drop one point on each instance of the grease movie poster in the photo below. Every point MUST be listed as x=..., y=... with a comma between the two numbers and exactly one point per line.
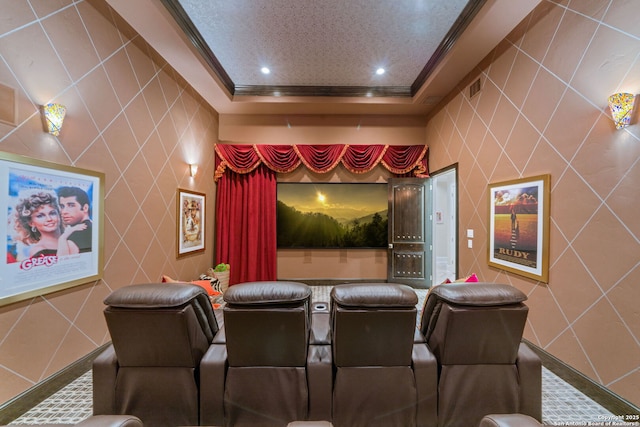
x=52, y=227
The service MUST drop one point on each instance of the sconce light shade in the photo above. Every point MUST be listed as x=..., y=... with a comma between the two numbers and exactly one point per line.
x=621, y=105
x=193, y=170
x=54, y=116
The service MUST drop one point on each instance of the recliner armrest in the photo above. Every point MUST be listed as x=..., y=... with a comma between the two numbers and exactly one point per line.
x=530, y=372
x=425, y=370
x=508, y=420
x=105, y=370
x=213, y=371
x=220, y=337
x=320, y=381
x=111, y=421
x=320, y=328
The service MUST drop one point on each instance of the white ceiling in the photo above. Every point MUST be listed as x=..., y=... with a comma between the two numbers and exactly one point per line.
x=323, y=54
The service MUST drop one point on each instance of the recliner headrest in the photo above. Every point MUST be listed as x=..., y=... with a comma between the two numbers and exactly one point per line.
x=277, y=293
x=154, y=295
x=478, y=294
x=388, y=295
x=150, y=296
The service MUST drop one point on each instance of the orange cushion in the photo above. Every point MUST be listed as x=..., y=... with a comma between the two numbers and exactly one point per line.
x=206, y=284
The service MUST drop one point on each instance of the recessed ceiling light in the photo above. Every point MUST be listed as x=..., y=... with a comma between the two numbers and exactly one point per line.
x=265, y=70
x=380, y=71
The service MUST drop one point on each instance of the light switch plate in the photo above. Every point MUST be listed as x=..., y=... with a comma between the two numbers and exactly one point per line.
x=470, y=233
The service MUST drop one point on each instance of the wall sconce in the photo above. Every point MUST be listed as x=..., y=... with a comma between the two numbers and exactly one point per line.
x=193, y=170
x=621, y=105
x=54, y=116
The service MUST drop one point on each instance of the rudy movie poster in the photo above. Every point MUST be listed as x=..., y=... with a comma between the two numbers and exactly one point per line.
x=516, y=225
x=519, y=226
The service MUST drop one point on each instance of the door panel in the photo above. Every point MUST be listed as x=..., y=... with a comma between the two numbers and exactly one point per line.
x=444, y=196
x=409, y=254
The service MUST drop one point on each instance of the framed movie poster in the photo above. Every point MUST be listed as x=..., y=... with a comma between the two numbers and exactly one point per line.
x=190, y=222
x=519, y=226
x=53, y=216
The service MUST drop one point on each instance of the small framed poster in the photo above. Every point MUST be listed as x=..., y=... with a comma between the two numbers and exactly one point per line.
x=190, y=222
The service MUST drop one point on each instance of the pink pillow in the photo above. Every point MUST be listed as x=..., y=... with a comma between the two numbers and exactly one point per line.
x=469, y=279
x=472, y=278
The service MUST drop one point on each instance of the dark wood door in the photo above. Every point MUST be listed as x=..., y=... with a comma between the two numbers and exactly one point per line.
x=409, y=254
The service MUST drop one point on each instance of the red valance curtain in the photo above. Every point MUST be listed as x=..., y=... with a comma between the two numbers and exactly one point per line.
x=246, y=193
x=398, y=159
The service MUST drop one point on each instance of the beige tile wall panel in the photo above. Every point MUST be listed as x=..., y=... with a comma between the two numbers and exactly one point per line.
x=543, y=109
x=129, y=116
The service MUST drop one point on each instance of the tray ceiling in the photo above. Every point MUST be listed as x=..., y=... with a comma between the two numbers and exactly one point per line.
x=323, y=47
x=323, y=55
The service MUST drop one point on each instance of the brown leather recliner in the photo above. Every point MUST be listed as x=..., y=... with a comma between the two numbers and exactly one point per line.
x=382, y=378
x=475, y=332
x=159, y=334
x=273, y=375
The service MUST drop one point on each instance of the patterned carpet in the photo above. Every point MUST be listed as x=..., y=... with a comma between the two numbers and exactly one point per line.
x=562, y=405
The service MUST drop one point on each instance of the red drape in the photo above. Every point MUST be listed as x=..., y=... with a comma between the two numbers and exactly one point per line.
x=246, y=224
x=246, y=193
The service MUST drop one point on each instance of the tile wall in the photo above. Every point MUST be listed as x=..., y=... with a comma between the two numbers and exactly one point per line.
x=543, y=109
x=130, y=116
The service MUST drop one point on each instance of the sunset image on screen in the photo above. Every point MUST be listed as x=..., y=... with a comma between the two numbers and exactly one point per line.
x=332, y=215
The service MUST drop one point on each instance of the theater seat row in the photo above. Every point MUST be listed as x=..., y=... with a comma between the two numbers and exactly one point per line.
x=273, y=357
